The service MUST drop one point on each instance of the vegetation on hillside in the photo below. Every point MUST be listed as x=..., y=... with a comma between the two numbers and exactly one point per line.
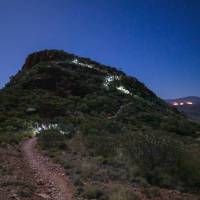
x=130, y=137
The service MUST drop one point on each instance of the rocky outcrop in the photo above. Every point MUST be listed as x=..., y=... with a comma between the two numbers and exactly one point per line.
x=46, y=55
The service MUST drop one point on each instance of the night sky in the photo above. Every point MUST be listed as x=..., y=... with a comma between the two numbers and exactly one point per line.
x=158, y=41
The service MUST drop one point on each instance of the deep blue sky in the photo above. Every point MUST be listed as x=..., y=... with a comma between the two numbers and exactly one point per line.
x=158, y=41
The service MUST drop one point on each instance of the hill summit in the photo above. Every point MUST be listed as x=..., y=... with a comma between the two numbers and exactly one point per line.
x=46, y=55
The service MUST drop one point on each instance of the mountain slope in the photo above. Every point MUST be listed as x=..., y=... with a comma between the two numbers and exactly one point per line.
x=100, y=124
x=54, y=83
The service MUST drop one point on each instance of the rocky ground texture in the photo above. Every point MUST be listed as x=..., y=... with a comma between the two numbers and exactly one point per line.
x=27, y=174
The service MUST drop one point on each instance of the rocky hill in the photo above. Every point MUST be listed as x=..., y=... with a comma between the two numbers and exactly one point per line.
x=83, y=111
x=54, y=84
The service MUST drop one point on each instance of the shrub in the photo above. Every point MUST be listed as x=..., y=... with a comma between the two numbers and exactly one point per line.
x=154, y=153
x=189, y=169
x=52, y=139
x=13, y=137
x=122, y=193
x=152, y=193
x=100, y=136
x=102, y=145
x=93, y=192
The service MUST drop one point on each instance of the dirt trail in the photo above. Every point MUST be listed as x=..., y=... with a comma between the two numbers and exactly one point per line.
x=47, y=173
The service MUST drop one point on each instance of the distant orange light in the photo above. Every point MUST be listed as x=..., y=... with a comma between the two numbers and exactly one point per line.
x=175, y=104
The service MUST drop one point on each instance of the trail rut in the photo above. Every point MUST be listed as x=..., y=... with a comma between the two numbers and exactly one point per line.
x=47, y=173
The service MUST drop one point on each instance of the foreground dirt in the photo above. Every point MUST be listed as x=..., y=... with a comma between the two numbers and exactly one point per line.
x=26, y=174
x=47, y=172
x=17, y=181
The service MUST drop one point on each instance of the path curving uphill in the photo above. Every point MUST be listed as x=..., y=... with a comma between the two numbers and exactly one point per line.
x=47, y=173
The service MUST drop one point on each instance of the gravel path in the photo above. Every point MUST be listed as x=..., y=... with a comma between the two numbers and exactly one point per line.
x=47, y=173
